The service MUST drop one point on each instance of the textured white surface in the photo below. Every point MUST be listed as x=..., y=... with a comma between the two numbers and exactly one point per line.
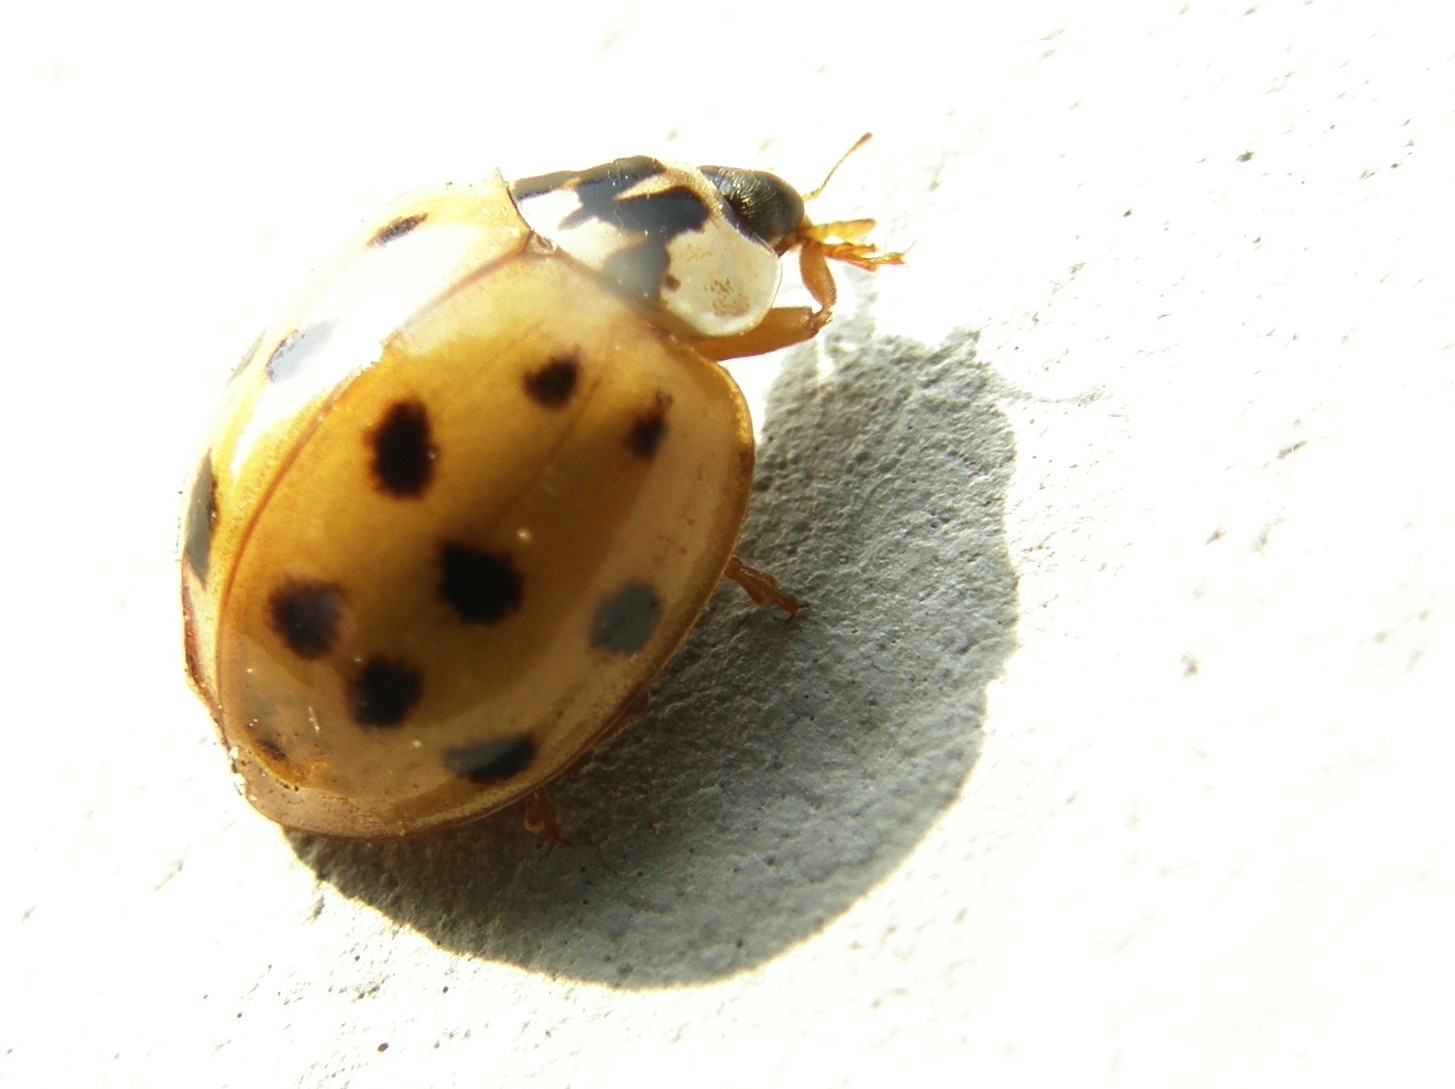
x=1115, y=748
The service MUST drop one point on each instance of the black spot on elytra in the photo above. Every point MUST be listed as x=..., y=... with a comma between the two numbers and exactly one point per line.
x=625, y=621
x=384, y=692
x=552, y=385
x=397, y=229
x=299, y=348
x=270, y=750
x=649, y=429
x=491, y=761
x=201, y=519
x=189, y=643
x=482, y=587
x=404, y=456
x=306, y=615
x=670, y=282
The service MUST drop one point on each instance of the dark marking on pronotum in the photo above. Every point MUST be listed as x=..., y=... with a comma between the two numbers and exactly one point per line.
x=638, y=271
x=306, y=615
x=293, y=354
x=552, y=385
x=384, y=692
x=404, y=455
x=626, y=621
x=608, y=179
x=201, y=519
x=604, y=192
x=397, y=229
x=649, y=429
x=491, y=761
x=658, y=218
x=482, y=587
x=660, y=215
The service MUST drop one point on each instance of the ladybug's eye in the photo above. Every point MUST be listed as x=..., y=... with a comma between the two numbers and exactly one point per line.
x=764, y=205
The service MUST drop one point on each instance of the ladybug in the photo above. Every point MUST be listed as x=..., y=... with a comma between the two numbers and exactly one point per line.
x=465, y=502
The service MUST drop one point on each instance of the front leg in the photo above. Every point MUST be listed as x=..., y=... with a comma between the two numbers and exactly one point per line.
x=783, y=327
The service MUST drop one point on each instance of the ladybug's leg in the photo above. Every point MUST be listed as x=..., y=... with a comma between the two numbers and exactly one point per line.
x=762, y=588
x=813, y=267
x=540, y=816
x=843, y=241
x=784, y=326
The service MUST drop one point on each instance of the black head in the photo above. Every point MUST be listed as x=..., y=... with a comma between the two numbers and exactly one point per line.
x=766, y=206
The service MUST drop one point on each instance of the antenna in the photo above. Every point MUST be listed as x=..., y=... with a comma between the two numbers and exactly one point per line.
x=860, y=142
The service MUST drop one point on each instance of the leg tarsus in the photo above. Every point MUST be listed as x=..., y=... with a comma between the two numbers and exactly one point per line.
x=762, y=588
x=843, y=241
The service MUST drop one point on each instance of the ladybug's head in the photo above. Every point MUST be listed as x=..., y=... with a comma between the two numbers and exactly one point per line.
x=765, y=206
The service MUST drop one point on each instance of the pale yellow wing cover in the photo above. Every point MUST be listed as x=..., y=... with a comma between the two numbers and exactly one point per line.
x=429, y=584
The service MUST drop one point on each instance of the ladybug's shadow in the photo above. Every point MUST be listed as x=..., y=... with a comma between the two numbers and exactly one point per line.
x=783, y=768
